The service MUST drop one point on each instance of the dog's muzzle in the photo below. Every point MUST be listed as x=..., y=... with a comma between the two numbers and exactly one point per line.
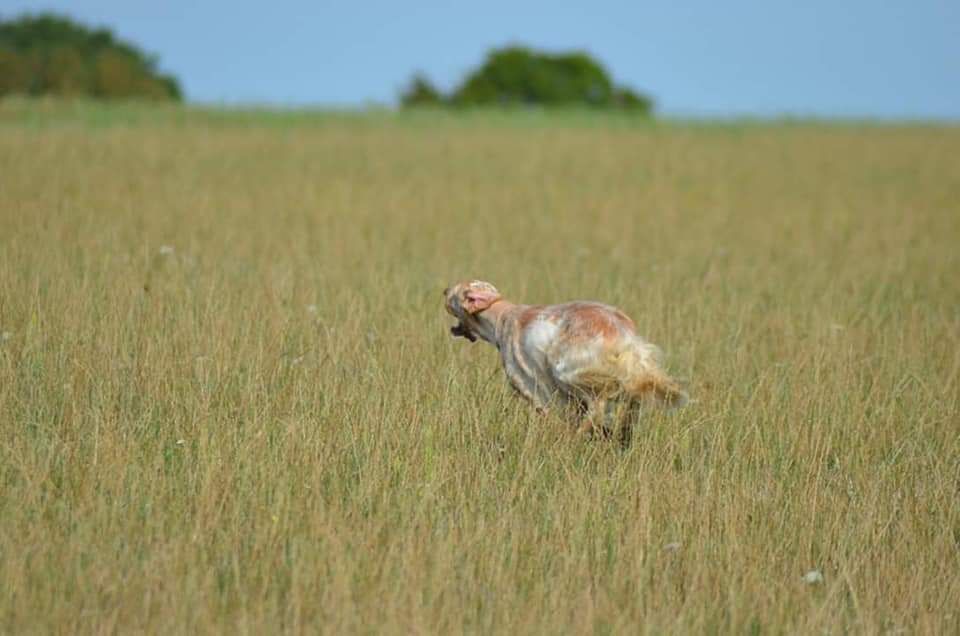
x=462, y=331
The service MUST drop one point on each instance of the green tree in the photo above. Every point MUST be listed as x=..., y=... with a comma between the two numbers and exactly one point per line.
x=15, y=72
x=520, y=76
x=420, y=92
x=51, y=54
x=631, y=100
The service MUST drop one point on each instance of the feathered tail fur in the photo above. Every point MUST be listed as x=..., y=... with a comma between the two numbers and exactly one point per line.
x=641, y=377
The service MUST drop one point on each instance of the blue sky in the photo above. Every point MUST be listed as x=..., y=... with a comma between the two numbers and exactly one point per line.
x=894, y=59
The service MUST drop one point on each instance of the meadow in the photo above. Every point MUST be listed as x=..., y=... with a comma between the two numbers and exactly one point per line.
x=229, y=401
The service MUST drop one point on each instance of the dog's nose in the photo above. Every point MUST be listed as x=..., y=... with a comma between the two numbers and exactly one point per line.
x=446, y=291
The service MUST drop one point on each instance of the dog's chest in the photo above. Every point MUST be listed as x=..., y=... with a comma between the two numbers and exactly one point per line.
x=538, y=344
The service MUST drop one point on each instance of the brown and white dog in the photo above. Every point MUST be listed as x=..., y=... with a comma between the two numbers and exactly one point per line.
x=578, y=354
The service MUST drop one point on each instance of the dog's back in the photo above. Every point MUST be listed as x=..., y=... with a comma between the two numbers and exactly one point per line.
x=593, y=349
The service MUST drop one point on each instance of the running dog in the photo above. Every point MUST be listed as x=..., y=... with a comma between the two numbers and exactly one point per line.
x=577, y=355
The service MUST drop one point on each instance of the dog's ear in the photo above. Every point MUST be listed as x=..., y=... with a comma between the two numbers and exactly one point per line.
x=478, y=299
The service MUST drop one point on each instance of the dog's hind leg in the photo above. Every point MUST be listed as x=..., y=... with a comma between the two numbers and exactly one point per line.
x=627, y=417
x=593, y=420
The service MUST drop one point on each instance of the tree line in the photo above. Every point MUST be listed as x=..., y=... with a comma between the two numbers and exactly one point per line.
x=50, y=54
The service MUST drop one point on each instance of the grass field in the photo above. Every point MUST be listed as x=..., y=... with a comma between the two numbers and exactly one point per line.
x=229, y=401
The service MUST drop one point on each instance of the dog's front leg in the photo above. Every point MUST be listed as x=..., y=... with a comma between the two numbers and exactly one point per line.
x=518, y=383
x=520, y=380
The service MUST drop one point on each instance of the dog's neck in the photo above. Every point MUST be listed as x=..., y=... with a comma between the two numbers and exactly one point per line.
x=485, y=323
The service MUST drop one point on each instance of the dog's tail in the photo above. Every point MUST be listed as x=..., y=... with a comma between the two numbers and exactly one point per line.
x=658, y=386
x=641, y=377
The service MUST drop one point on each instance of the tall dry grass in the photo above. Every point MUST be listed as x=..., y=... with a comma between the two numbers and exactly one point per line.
x=229, y=402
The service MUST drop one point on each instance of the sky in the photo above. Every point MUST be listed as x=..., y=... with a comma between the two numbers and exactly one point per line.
x=884, y=59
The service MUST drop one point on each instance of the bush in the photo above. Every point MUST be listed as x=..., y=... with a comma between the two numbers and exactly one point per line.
x=420, y=92
x=520, y=76
x=50, y=54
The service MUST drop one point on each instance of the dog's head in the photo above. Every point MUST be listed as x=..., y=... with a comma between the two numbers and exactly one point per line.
x=464, y=300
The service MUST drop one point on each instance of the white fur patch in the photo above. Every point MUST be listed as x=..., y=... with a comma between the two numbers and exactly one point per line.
x=541, y=334
x=581, y=358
